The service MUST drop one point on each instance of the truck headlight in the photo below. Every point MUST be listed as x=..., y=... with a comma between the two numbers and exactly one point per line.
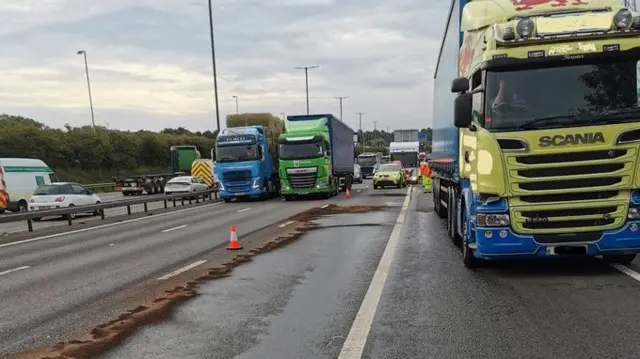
x=525, y=27
x=220, y=186
x=492, y=220
x=623, y=18
x=256, y=183
x=634, y=213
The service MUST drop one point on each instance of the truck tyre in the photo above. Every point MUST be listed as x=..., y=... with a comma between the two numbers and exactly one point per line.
x=469, y=260
x=620, y=259
x=288, y=198
x=226, y=200
x=451, y=218
x=437, y=205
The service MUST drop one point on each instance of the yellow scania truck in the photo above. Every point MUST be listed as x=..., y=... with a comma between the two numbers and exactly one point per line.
x=537, y=129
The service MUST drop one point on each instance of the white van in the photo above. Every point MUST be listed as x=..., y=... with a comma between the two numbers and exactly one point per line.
x=22, y=176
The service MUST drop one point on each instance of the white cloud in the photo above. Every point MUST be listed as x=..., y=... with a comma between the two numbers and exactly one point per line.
x=150, y=61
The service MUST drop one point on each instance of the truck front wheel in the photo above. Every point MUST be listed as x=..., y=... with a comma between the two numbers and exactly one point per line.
x=469, y=260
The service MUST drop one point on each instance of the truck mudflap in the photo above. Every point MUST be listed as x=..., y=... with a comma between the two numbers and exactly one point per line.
x=496, y=243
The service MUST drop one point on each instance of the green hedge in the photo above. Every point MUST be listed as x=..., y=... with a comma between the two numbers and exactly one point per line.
x=84, y=155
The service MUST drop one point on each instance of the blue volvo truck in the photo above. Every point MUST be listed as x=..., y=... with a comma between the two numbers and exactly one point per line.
x=245, y=166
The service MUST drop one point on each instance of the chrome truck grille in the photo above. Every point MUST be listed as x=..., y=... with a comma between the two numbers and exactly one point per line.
x=302, y=178
x=570, y=192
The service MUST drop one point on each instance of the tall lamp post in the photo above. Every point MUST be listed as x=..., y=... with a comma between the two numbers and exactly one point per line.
x=238, y=111
x=341, y=98
x=360, y=120
x=306, y=79
x=213, y=61
x=86, y=69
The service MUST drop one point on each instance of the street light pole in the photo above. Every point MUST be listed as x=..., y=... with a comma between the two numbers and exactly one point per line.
x=306, y=79
x=213, y=60
x=238, y=111
x=341, y=98
x=360, y=120
x=86, y=69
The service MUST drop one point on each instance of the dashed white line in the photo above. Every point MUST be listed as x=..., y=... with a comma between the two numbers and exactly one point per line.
x=107, y=225
x=285, y=224
x=14, y=270
x=359, y=190
x=244, y=210
x=182, y=270
x=325, y=206
x=174, y=228
x=626, y=270
x=357, y=338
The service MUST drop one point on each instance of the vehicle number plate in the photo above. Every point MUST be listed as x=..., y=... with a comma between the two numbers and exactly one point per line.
x=303, y=192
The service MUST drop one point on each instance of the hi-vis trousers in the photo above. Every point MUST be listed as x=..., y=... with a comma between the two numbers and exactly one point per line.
x=426, y=182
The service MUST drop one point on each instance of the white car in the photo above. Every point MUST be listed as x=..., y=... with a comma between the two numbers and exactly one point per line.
x=357, y=174
x=62, y=195
x=185, y=184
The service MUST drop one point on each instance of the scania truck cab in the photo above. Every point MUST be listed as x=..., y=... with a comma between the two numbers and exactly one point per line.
x=536, y=147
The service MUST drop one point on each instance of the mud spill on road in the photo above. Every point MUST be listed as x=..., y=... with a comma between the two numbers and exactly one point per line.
x=106, y=336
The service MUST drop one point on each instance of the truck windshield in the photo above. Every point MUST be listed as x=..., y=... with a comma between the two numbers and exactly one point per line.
x=564, y=96
x=408, y=159
x=297, y=151
x=237, y=153
x=367, y=160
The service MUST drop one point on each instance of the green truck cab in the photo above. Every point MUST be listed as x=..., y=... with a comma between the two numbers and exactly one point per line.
x=316, y=156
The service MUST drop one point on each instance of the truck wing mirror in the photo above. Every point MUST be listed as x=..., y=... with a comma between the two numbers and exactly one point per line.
x=462, y=110
x=328, y=153
x=460, y=84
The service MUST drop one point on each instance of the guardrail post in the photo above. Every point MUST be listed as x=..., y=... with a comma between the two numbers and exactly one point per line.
x=129, y=209
x=69, y=219
x=182, y=201
x=174, y=202
x=102, y=213
x=165, y=204
x=198, y=199
x=30, y=224
x=190, y=200
x=146, y=209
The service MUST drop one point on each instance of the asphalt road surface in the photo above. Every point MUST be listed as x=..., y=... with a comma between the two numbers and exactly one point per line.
x=301, y=301
x=54, y=288
x=381, y=284
x=21, y=226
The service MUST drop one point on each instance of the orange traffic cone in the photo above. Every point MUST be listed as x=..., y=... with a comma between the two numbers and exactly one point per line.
x=234, y=244
x=347, y=194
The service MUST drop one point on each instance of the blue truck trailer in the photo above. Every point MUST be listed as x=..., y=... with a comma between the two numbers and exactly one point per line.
x=245, y=167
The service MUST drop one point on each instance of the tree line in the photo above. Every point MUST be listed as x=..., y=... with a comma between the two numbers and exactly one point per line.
x=85, y=155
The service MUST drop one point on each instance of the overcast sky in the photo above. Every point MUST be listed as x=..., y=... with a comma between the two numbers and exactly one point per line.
x=150, y=60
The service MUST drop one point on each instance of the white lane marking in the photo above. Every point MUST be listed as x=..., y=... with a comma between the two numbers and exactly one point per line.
x=182, y=270
x=14, y=270
x=325, y=206
x=244, y=209
x=107, y=225
x=359, y=332
x=174, y=228
x=626, y=270
x=359, y=190
x=285, y=224
x=366, y=186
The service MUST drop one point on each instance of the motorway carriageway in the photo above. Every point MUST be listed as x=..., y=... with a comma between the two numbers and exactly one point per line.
x=375, y=283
